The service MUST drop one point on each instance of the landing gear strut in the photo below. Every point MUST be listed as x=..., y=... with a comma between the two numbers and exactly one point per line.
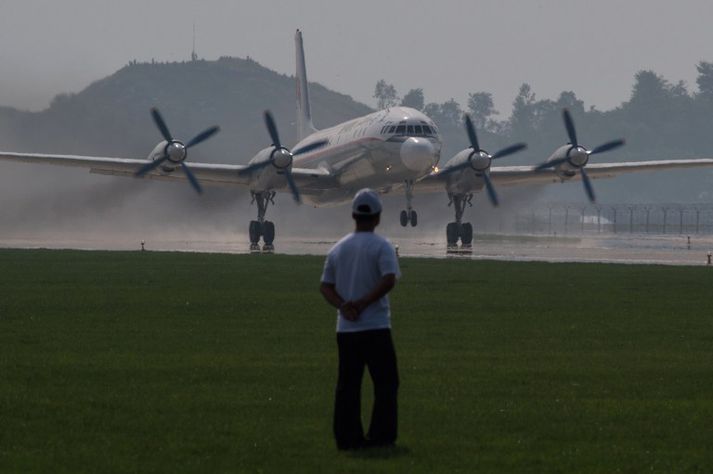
x=261, y=227
x=458, y=229
x=409, y=215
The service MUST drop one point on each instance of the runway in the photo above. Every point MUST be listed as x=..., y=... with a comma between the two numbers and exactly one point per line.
x=610, y=248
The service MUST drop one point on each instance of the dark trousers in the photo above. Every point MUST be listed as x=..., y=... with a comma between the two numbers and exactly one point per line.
x=375, y=350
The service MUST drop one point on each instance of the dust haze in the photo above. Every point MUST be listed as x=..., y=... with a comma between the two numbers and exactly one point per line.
x=55, y=204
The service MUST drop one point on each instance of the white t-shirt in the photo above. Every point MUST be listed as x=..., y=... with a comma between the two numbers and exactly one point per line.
x=354, y=266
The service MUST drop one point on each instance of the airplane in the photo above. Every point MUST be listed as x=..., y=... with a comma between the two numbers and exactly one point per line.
x=396, y=150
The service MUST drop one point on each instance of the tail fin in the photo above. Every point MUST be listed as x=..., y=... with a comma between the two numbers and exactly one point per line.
x=304, y=113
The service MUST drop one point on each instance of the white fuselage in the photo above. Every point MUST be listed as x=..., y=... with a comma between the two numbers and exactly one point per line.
x=381, y=151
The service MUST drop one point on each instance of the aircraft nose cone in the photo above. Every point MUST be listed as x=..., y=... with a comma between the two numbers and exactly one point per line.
x=418, y=154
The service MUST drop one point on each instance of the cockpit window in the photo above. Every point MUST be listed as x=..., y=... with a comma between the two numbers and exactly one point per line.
x=417, y=130
x=409, y=130
x=392, y=129
x=401, y=129
x=426, y=130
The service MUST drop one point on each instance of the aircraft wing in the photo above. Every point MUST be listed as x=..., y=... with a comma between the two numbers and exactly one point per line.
x=523, y=175
x=207, y=173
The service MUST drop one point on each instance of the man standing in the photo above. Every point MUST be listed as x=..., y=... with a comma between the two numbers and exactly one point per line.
x=359, y=272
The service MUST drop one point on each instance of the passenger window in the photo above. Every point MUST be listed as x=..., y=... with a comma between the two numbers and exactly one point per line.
x=400, y=129
x=409, y=130
x=417, y=130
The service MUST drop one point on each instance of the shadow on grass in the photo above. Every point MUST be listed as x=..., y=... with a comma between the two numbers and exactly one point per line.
x=381, y=453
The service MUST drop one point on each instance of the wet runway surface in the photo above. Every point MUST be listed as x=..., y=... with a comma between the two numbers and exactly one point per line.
x=612, y=248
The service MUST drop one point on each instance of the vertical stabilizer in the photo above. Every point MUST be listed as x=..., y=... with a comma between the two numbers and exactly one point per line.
x=304, y=113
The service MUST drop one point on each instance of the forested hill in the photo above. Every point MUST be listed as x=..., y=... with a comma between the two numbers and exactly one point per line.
x=111, y=116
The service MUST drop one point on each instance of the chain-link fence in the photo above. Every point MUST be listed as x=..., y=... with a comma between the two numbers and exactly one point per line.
x=619, y=218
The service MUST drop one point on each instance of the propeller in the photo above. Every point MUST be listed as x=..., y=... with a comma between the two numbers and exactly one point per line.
x=480, y=160
x=281, y=157
x=175, y=151
x=577, y=156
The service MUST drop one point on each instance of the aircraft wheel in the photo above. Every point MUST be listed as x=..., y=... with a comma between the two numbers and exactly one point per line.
x=414, y=218
x=452, y=234
x=268, y=232
x=404, y=218
x=255, y=232
x=466, y=234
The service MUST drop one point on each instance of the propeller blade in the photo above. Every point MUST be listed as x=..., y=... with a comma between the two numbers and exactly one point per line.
x=272, y=129
x=453, y=169
x=550, y=164
x=204, y=135
x=569, y=124
x=293, y=186
x=158, y=120
x=254, y=167
x=191, y=178
x=491, y=189
x=587, y=184
x=150, y=166
x=471, y=133
x=508, y=151
x=607, y=146
x=310, y=147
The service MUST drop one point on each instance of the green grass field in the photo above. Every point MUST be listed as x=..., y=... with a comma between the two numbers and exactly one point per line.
x=176, y=362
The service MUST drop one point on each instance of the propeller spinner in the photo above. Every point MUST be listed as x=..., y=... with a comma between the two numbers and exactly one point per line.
x=480, y=160
x=176, y=151
x=577, y=156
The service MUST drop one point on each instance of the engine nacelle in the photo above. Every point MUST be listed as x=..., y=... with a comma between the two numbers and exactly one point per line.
x=175, y=151
x=158, y=152
x=460, y=158
x=280, y=158
x=575, y=158
x=477, y=161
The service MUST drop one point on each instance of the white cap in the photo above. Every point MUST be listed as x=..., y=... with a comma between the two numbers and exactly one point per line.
x=366, y=203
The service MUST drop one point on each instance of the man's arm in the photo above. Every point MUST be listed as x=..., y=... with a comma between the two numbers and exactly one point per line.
x=385, y=285
x=330, y=294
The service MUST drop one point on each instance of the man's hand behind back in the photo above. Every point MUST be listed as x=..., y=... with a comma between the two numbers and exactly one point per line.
x=349, y=311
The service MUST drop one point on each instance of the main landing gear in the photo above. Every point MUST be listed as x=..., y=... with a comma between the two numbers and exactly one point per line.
x=459, y=230
x=409, y=215
x=262, y=228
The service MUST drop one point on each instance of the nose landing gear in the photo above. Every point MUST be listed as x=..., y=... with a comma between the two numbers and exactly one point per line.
x=409, y=215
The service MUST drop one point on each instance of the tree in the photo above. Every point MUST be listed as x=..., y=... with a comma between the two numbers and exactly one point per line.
x=705, y=79
x=650, y=90
x=522, y=120
x=451, y=113
x=447, y=114
x=414, y=99
x=385, y=95
x=481, y=108
x=433, y=110
x=569, y=100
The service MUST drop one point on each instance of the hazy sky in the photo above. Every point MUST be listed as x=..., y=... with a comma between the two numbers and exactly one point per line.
x=448, y=48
